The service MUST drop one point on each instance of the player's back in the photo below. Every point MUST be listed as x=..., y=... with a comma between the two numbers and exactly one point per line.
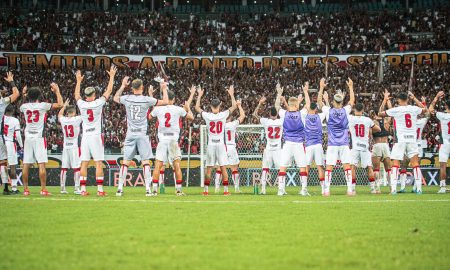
x=137, y=107
x=215, y=123
x=405, y=122
x=337, y=126
x=71, y=130
x=360, y=129
x=10, y=125
x=293, y=128
x=169, y=121
x=273, y=129
x=421, y=123
x=230, y=132
x=313, y=129
x=4, y=102
x=444, y=119
x=35, y=117
x=91, y=113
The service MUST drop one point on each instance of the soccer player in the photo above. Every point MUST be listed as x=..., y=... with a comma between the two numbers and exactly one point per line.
x=215, y=122
x=4, y=102
x=136, y=140
x=91, y=111
x=405, y=125
x=380, y=148
x=360, y=127
x=169, y=127
x=313, y=120
x=338, y=141
x=12, y=138
x=294, y=136
x=230, y=142
x=70, y=126
x=273, y=129
x=35, y=146
x=444, y=149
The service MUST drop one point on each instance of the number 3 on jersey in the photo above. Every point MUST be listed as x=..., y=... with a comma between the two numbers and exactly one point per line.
x=90, y=113
x=69, y=131
x=30, y=117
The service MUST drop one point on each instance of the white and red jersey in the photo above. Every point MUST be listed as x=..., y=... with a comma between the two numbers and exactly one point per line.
x=359, y=130
x=273, y=128
x=405, y=122
x=11, y=130
x=71, y=130
x=230, y=132
x=444, y=119
x=421, y=123
x=215, y=123
x=35, y=118
x=92, y=115
x=169, y=121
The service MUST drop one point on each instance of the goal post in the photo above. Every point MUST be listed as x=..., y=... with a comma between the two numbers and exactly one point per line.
x=250, y=144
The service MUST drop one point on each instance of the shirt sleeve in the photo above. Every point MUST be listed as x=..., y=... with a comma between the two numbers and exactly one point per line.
x=391, y=112
x=46, y=106
x=226, y=113
x=101, y=100
x=282, y=113
x=182, y=112
x=371, y=123
x=153, y=101
x=122, y=99
x=348, y=109
x=418, y=110
x=439, y=115
x=22, y=108
x=80, y=103
x=236, y=123
x=263, y=121
x=325, y=111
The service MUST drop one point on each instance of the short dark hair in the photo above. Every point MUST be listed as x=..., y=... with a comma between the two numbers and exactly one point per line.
x=359, y=107
x=34, y=93
x=273, y=111
x=403, y=96
x=313, y=106
x=136, y=84
x=171, y=94
x=71, y=109
x=215, y=103
x=9, y=109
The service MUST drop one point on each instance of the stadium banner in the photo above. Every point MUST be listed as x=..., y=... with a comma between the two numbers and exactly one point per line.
x=31, y=60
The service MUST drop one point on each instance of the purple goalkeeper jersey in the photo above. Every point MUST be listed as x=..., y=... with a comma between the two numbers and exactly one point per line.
x=313, y=129
x=293, y=129
x=337, y=127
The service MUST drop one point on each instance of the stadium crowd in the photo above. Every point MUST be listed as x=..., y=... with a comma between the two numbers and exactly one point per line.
x=227, y=34
x=250, y=85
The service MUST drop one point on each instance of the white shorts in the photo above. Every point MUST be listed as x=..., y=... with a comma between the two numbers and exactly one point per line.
x=11, y=149
x=363, y=158
x=92, y=146
x=3, y=150
x=216, y=154
x=314, y=153
x=232, y=154
x=381, y=150
x=135, y=144
x=168, y=151
x=335, y=153
x=399, y=150
x=71, y=158
x=444, y=152
x=293, y=151
x=271, y=158
x=35, y=150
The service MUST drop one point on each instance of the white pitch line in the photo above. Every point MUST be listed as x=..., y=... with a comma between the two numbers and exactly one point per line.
x=224, y=201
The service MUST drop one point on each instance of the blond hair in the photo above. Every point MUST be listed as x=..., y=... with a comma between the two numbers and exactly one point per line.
x=292, y=101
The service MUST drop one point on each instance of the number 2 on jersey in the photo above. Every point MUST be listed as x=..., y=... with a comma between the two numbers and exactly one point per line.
x=167, y=123
x=30, y=115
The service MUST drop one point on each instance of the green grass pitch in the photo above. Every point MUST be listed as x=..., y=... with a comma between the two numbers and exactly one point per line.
x=242, y=231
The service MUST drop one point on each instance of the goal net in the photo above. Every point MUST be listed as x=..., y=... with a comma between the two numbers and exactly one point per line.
x=250, y=144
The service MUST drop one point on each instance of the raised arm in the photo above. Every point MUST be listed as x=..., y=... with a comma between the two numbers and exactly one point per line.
x=15, y=94
x=241, y=112
x=439, y=95
x=230, y=91
x=200, y=92
x=351, y=102
x=326, y=98
x=260, y=103
x=187, y=108
x=322, y=86
x=278, y=99
x=112, y=73
x=59, y=100
x=306, y=95
x=63, y=109
x=78, y=85
x=381, y=111
x=165, y=99
x=125, y=83
x=417, y=102
x=191, y=97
